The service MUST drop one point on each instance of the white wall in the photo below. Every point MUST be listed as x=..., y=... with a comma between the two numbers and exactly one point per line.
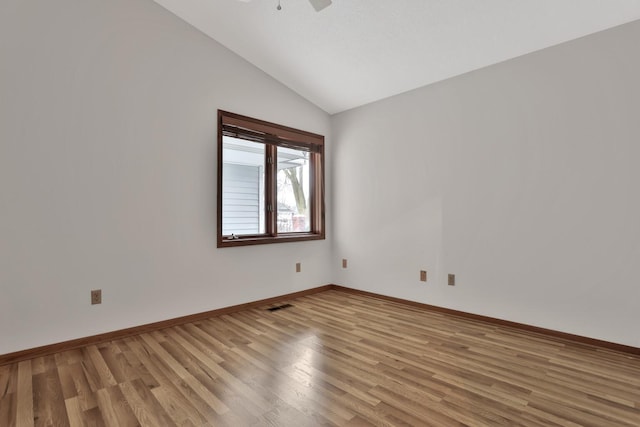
x=108, y=171
x=521, y=178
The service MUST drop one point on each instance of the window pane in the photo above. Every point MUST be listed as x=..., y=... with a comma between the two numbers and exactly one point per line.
x=270, y=186
x=293, y=191
x=242, y=187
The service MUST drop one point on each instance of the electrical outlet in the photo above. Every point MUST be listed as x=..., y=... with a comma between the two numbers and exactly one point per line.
x=344, y=263
x=298, y=267
x=452, y=280
x=423, y=275
x=96, y=296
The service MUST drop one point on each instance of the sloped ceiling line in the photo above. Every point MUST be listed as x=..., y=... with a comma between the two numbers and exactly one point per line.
x=356, y=52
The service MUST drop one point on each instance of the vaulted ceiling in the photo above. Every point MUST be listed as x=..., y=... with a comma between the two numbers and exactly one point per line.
x=358, y=51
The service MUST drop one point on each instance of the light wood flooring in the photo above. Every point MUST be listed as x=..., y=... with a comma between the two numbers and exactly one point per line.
x=333, y=358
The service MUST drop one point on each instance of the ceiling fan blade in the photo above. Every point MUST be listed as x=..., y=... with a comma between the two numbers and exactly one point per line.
x=318, y=5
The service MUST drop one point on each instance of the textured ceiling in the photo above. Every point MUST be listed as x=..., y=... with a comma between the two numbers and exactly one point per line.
x=358, y=51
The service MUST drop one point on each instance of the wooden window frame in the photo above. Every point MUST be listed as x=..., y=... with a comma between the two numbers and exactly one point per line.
x=273, y=136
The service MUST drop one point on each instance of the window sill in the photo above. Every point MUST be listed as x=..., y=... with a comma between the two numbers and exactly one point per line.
x=263, y=240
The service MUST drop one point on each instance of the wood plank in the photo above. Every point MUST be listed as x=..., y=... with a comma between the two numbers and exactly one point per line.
x=146, y=408
x=8, y=410
x=115, y=410
x=25, y=395
x=48, y=404
x=74, y=412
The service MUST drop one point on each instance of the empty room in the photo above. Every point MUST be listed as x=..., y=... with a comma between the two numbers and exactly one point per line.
x=313, y=212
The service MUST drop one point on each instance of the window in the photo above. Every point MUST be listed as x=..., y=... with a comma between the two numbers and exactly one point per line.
x=270, y=182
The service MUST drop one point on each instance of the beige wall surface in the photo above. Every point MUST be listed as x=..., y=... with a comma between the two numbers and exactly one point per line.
x=521, y=179
x=108, y=171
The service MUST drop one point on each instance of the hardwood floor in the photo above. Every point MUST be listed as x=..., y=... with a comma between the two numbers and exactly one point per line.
x=333, y=358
